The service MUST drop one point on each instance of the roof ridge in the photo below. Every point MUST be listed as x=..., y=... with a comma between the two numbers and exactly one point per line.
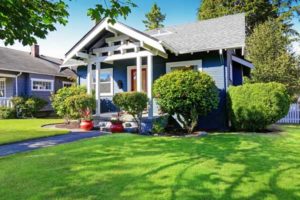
x=195, y=22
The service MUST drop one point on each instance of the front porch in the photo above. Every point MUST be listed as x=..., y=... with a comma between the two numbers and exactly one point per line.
x=8, y=88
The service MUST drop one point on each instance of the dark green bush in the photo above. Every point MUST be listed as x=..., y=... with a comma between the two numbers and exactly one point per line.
x=60, y=101
x=134, y=103
x=7, y=113
x=188, y=94
x=28, y=106
x=160, y=124
x=255, y=106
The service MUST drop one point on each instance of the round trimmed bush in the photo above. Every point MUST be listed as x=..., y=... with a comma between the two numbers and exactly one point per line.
x=134, y=103
x=255, y=106
x=188, y=94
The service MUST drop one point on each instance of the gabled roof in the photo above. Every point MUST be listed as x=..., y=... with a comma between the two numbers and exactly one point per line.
x=21, y=61
x=206, y=35
x=119, y=27
x=213, y=34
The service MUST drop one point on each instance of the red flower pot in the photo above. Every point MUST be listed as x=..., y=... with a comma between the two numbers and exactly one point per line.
x=86, y=125
x=116, y=127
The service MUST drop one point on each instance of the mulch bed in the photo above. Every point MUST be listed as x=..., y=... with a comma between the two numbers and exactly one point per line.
x=70, y=125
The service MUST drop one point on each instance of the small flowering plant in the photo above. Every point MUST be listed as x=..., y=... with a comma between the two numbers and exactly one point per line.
x=86, y=114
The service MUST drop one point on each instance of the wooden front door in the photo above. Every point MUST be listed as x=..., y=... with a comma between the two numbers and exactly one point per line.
x=134, y=82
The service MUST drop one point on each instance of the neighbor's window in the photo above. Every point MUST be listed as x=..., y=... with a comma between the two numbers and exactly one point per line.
x=106, y=81
x=42, y=85
x=67, y=84
x=195, y=65
x=2, y=87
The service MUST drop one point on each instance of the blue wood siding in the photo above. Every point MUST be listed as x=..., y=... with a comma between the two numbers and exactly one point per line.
x=212, y=64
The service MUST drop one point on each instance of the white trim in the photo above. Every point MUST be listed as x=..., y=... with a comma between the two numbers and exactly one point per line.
x=129, y=68
x=170, y=65
x=8, y=75
x=118, y=27
x=106, y=70
x=4, y=80
x=30, y=72
x=120, y=56
x=242, y=62
x=67, y=82
x=42, y=80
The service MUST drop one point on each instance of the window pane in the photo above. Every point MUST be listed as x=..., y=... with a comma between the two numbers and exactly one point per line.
x=105, y=77
x=41, y=85
x=191, y=67
x=105, y=87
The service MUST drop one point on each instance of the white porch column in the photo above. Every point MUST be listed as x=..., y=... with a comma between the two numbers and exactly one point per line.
x=139, y=74
x=149, y=84
x=89, y=78
x=97, y=91
x=17, y=89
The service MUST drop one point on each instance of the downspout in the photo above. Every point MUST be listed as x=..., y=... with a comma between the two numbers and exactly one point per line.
x=17, y=89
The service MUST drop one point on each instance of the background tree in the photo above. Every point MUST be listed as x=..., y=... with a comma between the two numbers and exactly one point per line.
x=268, y=47
x=25, y=21
x=257, y=11
x=155, y=18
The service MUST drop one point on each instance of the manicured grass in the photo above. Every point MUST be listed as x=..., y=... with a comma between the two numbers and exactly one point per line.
x=23, y=129
x=123, y=166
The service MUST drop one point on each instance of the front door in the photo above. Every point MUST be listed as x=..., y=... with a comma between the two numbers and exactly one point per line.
x=134, y=80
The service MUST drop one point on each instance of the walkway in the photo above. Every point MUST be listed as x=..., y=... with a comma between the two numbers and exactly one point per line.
x=29, y=145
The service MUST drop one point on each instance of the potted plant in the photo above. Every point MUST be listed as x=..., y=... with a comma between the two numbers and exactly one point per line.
x=86, y=122
x=116, y=124
x=81, y=106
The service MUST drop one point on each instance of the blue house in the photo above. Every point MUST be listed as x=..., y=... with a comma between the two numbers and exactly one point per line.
x=113, y=58
x=30, y=74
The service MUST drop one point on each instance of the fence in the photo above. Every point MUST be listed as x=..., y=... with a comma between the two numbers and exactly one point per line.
x=293, y=116
x=6, y=102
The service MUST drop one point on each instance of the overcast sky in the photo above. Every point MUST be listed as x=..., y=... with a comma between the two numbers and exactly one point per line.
x=60, y=41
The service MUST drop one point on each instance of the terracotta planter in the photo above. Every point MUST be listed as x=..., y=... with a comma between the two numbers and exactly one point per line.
x=116, y=127
x=86, y=125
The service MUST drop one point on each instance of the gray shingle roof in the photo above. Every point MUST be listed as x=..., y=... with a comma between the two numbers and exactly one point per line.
x=213, y=34
x=20, y=61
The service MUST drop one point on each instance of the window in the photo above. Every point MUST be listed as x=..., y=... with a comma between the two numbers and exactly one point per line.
x=190, y=64
x=67, y=84
x=2, y=87
x=106, y=81
x=42, y=85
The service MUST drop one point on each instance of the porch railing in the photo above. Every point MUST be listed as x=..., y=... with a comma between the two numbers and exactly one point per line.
x=6, y=102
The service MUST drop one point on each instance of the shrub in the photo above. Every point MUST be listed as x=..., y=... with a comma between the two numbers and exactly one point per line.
x=160, y=124
x=255, y=106
x=28, y=106
x=7, y=113
x=81, y=106
x=134, y=103
x=60, y=104
x=187, y=94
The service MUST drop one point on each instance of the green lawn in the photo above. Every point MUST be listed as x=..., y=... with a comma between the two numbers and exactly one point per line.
x=23, y=129
x=123, y=166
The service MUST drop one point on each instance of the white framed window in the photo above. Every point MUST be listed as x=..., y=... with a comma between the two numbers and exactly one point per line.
x=67, y=83
x=189, y=64
x=43, y=85
x=2, y=87
x=106, y=81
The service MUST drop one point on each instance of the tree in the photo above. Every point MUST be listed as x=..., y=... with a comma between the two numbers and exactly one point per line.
x=154, y=19
x=187, y=94
x=25, y=21
x=268, y=48
x=256, y=12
